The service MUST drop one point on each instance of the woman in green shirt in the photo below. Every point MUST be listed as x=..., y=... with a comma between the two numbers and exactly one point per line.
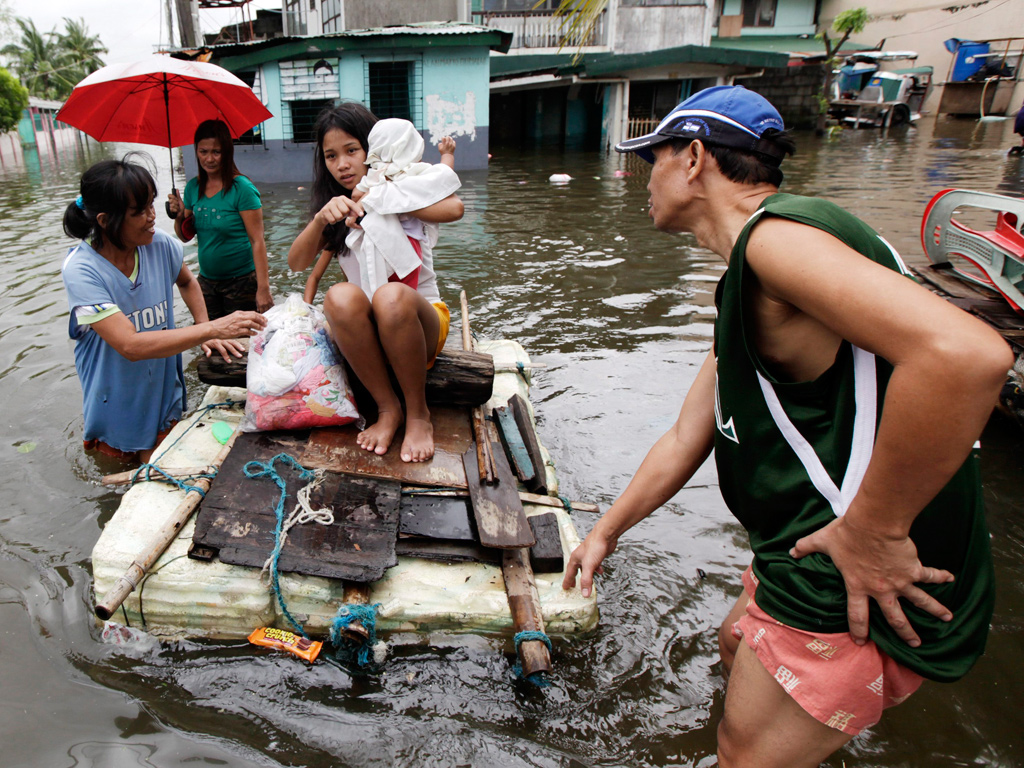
x=223, y=208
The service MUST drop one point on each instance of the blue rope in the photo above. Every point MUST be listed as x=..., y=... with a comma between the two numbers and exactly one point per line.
x=365, y=615
x=256, y=470
x=148, y=469
x=537, y=678
x=195, y=421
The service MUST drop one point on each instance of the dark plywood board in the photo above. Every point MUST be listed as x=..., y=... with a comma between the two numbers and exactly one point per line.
x=546, y=554
x=447, y=551
x=436, y=517
x=500, y=519
x=335, y=448
x=236, y=519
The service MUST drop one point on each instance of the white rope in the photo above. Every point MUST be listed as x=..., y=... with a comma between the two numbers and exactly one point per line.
x=304, y=512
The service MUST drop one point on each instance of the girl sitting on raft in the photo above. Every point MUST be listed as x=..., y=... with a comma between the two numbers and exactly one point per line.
x=389, y=312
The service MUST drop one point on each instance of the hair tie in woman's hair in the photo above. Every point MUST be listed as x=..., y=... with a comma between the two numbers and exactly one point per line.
x=80, y=203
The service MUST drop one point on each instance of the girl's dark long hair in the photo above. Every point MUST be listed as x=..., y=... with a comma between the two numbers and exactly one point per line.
x=356, y=120
x=112, y=187
x=217, y=129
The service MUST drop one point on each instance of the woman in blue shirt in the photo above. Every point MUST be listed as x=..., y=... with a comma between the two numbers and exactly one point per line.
x=119, y=281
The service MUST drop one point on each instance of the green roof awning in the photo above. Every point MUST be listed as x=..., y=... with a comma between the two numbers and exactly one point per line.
x=617, y=64
x=799, y=46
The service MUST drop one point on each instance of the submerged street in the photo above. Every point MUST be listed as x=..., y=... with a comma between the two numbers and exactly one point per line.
x=622, y=317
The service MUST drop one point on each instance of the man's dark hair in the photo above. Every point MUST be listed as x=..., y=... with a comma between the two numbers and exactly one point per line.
x=746, y=167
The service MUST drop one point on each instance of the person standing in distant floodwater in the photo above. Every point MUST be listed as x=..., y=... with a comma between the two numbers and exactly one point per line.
x=119, y=281
x=1018, y=128
x=223, y=208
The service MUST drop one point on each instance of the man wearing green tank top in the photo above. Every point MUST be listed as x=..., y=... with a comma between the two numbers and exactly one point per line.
x=843, y=402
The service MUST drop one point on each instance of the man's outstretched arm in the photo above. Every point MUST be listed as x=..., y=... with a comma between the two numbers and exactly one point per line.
x=666, y=469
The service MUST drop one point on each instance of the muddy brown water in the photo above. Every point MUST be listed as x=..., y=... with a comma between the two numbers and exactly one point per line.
x=621, y=316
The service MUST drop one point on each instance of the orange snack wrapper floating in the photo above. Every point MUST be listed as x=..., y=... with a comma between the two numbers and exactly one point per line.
x=283, y=640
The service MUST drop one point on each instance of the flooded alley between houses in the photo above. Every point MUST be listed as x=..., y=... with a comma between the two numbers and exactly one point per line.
x=621, y=316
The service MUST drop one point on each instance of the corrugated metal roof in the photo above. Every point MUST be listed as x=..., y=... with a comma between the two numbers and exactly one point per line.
x=421, y=28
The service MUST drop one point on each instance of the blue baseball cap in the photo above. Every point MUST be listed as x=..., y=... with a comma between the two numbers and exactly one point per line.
x=725, y=115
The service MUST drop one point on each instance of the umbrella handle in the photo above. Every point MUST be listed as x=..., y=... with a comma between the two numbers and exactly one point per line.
x=167, y=205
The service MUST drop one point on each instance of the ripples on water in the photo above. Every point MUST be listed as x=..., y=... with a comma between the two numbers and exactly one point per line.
x=622, y=316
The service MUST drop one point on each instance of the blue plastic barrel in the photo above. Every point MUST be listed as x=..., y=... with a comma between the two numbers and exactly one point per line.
x=967, y=60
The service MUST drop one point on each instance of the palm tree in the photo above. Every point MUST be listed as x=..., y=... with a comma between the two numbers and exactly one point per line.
x=578, y=19
x=81, y=49
x=50, y=64
x=36, y=58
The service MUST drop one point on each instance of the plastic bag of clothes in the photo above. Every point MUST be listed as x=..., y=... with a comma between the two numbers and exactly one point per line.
x=295, y=378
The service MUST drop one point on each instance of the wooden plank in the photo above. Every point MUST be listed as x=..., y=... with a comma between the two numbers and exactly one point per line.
x=237, y=520
x=520, y=411
x=512, y=440
x=335, y=448
x=546, y=554
x=456, y=378
x=500, y=519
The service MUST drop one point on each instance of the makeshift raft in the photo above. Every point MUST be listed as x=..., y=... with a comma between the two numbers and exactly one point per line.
x=184, y=596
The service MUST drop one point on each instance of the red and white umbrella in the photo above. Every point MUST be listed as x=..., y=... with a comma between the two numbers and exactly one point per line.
x=160, y=101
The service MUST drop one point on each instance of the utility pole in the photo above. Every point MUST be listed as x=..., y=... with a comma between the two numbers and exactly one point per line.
x=170, y=24
x=188, y=22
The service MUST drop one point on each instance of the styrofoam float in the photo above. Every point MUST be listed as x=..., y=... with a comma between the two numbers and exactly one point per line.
x=181, y=597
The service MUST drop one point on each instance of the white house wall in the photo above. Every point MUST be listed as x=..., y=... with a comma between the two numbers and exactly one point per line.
x=638, y=30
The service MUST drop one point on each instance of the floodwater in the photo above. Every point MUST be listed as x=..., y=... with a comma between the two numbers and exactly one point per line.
x=621, y=316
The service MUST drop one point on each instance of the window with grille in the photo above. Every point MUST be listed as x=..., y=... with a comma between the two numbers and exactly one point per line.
x=254, y=136
x=300, y=116
x=395, y=89
x=330, y=12
x=294, y=17
x=759, y=13
x=307, y=87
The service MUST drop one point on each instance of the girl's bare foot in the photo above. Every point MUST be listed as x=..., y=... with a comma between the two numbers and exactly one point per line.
x=378, y=437
x=418, y=444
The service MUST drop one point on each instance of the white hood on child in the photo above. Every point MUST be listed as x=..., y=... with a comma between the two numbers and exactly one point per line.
x=396, y=183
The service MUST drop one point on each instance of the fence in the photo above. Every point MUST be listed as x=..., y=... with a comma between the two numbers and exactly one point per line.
x=542, y=29
x=639, y=126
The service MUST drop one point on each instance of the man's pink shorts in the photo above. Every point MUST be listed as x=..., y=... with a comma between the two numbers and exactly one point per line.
x=839, y=683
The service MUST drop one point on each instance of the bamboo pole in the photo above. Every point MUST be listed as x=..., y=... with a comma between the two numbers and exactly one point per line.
x=524, y=496
x=134, y=475
x=161, y=539
x=484, y=460
x=524, y=602
x=356, y=594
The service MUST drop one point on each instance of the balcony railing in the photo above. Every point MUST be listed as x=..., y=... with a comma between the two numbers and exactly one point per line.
x=542, y=29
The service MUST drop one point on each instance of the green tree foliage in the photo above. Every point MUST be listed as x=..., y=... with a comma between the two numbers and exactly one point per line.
x=850, y=22
x=13, y=100
x=578, y=18
x=51, y=63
